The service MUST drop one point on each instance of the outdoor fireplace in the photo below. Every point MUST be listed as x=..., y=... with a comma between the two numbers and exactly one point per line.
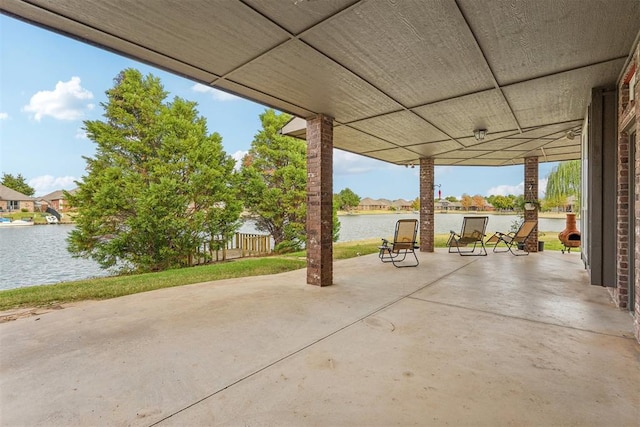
x=570, y=236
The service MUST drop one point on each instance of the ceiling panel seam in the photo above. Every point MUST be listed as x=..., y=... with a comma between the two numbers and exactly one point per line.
x=102, y=46
x=568, y=70
x=486, y=61
x=290, y=37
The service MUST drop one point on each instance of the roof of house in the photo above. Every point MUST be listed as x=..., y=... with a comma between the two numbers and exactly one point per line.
x=400, y=203
x=56, y=195
x=7, y=193
x=367, y=201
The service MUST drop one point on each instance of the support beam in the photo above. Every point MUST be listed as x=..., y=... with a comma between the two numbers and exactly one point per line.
x=530, y=195
x=320, y=201
x=427, y=205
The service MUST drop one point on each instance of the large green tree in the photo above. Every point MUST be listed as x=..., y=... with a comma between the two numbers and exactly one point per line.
x=274, y=184
x=274, y=179
x=347, y=199
x=159, y=185
x=500, y=202
x=17, y=183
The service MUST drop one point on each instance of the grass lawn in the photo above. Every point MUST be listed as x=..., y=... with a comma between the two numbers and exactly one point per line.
x=112, y=287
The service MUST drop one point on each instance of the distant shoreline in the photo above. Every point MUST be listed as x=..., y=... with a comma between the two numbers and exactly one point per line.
x=552, y=215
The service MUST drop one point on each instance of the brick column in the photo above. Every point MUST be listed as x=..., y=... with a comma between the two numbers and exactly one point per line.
x=621, y=291
x=427, y=225
x=320, y=201
x=531, y=194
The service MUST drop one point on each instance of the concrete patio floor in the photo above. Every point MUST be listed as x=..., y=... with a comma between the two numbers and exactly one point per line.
x=496, y=340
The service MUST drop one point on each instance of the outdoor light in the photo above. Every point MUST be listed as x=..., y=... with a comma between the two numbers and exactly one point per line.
x=570, y=135
x=480, y=134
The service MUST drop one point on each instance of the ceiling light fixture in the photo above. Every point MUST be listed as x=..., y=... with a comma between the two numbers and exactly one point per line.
x=570, y=135
x=480, y=134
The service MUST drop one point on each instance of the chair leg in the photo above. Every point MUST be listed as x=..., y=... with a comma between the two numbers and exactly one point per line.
x=509, y=248
x=386, y=255
x=525, y=250
x=395, y=261
x=472, y=252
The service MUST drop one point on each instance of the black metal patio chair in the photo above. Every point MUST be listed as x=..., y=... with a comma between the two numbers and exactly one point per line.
x=404, y=242
x=473, y=233
x=517, y=239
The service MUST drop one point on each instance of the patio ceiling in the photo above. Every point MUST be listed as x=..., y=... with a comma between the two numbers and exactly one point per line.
x=403, y=79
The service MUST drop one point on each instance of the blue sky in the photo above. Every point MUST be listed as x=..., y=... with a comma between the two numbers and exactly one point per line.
x=49, y=84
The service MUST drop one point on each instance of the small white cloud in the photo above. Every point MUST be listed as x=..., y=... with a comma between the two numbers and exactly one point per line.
x=4, y=116
x=505, y=190
x=81, y=134
x=345, y=163
x=46, y=184
x=218, y=95
x=68, y=101
x=238, y=156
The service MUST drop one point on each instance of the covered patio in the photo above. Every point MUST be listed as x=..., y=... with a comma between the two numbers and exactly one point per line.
x=496, y=340
x=428, y=83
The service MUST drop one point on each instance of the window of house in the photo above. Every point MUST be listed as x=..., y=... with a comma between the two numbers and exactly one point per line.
x=13, y=205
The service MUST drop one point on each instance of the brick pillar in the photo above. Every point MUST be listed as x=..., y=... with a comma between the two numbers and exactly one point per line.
x=427, y=225
x=531, y=194
x=320, y=201
x=621, y=291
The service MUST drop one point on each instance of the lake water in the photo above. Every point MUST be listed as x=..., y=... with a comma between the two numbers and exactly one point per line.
x=38, y=255
x=359, y=227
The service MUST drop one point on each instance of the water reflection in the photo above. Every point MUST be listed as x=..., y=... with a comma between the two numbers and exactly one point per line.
x=38, y=255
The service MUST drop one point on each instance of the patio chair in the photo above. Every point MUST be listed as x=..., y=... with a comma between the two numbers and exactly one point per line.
x=404, y=242
x=517, y=239
x=473, y=233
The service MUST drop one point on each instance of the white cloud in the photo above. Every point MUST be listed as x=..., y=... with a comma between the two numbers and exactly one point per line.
x=4, y=116
x=81, y=134
x=46, y=184
x=345, y=163
x=218, y=95
x=505, y=189
x=238, y=155
x=68, y=101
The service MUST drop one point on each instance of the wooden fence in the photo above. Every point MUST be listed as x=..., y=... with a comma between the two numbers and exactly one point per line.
x=239, y=246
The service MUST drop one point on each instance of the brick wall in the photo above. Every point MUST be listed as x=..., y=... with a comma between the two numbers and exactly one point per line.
x=320, y=201
x=427, y=202
x=627, y=257
x=637, y=197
